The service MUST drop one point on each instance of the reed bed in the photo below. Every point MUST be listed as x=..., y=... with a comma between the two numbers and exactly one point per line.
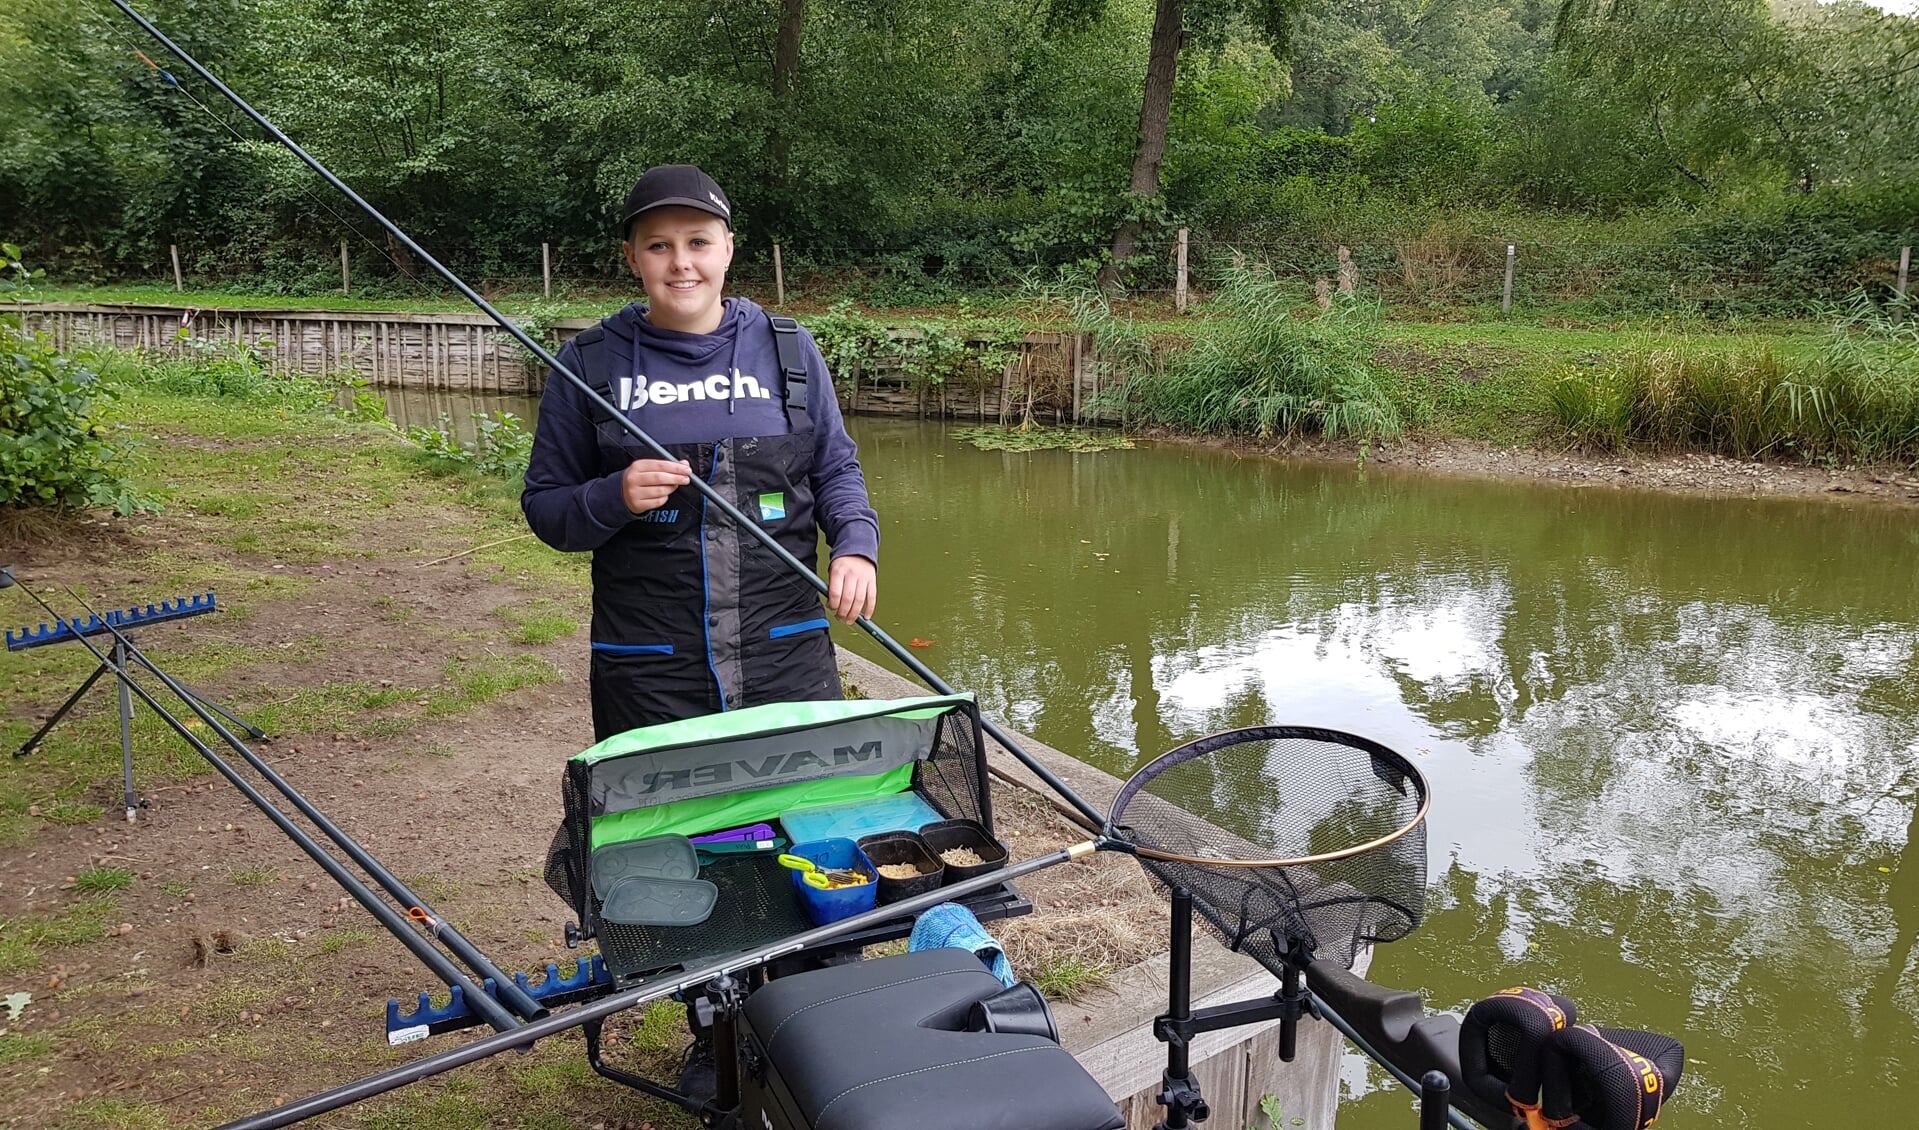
x=1259, y=368
x=1856, y=399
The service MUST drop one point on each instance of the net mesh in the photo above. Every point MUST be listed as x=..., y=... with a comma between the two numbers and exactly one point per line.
x=567, y=859
x=951, y=779
x=755, y=905
x=1281, y=793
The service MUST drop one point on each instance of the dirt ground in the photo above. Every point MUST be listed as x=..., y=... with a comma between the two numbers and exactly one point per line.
x=229, y=973
x=195, y=966
x=1680, y=472
x=234, y=974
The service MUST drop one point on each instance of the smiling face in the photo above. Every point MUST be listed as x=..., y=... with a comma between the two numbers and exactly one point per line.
x=680, y=256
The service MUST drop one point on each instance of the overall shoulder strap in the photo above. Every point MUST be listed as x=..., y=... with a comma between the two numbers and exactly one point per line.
x=590, y=346
x=786, y=338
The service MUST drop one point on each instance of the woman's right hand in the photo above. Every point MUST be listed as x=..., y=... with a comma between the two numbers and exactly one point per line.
x=648, y=483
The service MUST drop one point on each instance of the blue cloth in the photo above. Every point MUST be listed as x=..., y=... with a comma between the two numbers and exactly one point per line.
x=950, y=924
x=855, y=818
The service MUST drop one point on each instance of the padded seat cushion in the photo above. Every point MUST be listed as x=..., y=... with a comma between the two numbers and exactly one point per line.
x=881, y=1045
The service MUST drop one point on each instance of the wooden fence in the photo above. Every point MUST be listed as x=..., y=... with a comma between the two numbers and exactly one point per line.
x=1052, y=379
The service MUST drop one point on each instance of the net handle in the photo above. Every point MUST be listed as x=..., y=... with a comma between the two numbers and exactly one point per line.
x=1200, y=747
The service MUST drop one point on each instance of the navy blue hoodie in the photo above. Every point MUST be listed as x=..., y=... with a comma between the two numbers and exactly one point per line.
x=687, y=388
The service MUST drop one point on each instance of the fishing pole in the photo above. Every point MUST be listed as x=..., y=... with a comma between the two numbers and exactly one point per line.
x=533, y=1030
x=712, y=496
x=396, y=1077
x=1238, y=884
x=436, y=962
x=509, y=990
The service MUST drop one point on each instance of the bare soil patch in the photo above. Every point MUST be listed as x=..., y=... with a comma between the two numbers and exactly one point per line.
x=196, y=965
x=1677, y=472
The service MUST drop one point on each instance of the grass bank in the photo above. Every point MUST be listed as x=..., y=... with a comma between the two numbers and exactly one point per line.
x=1254, y=358
x=383, y=619
x=1028, y=305
x=1842, y=393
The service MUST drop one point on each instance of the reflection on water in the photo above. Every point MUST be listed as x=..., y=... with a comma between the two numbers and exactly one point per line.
x=424, y=407
x=1674, y=742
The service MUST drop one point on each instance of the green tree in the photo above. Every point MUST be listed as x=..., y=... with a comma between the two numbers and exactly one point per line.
x=1210, y=18
x=1714, y=84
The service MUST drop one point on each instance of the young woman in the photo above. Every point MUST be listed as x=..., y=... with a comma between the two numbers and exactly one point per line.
x=690, y=615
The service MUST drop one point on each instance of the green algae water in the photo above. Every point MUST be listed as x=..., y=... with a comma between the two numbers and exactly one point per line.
x=1673, y=741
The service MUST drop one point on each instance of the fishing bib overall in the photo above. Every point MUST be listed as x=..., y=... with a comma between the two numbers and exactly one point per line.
x=690, y=615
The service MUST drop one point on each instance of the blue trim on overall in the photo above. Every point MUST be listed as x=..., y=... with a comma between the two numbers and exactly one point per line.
x=706, y=592
x=786, y=630
x=635, y=648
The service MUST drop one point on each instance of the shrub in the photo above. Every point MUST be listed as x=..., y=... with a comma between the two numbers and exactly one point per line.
x=1595, y=408
x=54, y=447
x=15, y=278
x=1871, y=362
x=501, y=445
x=969, y=355
x=1262, y=370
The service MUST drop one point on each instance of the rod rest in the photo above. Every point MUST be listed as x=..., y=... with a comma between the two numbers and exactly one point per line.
x=125, y=620
x=1395, y=1022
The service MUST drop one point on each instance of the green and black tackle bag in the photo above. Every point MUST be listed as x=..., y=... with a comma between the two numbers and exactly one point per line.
x=742, y=767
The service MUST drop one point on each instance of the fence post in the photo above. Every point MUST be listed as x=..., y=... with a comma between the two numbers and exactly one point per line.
x=546, y=269
x=180, y=283
x=1179, y=287
x=1905, y=264
x=1506, y=299
x=346, y=277
x=779, y=278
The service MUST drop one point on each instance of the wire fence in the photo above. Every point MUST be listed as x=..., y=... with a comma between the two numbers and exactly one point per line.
x=1434, y=272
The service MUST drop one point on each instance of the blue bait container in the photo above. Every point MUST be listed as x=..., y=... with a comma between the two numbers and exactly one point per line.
x=844, y=902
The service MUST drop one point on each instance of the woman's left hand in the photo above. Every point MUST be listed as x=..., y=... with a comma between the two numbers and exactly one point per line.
x=853, y=587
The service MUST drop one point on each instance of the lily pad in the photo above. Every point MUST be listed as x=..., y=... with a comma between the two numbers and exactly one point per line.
x=994, y=438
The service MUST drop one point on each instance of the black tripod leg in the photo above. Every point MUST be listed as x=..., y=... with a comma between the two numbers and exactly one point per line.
x=126, y=729
x=27, y=747
x=1180, y=1094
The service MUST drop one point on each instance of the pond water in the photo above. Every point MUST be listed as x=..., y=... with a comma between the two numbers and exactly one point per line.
x=424, y=407
x=1673, y=742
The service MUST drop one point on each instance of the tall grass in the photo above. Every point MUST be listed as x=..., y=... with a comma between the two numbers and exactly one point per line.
x=1856, y=399
x=1257, y=367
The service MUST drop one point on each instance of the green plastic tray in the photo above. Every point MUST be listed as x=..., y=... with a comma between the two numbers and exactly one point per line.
x=655, y=857
x=643, y=900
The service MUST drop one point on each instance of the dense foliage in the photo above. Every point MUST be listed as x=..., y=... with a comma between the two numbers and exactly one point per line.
x=950, y=142
x=56, y=450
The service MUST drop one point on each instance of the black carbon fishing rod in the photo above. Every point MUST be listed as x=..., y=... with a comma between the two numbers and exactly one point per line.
x=437, y=962
x=713, y=496
x=396, y=1077
x=508, y=989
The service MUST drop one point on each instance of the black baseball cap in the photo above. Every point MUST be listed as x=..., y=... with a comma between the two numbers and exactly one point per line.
x=684, y=185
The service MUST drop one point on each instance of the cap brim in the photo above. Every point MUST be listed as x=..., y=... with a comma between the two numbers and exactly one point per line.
x=706, y=206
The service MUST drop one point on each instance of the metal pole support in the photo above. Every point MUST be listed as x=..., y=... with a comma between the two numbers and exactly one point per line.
x=126, y=729
x=1179, y=1092
x=1435, y=1091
